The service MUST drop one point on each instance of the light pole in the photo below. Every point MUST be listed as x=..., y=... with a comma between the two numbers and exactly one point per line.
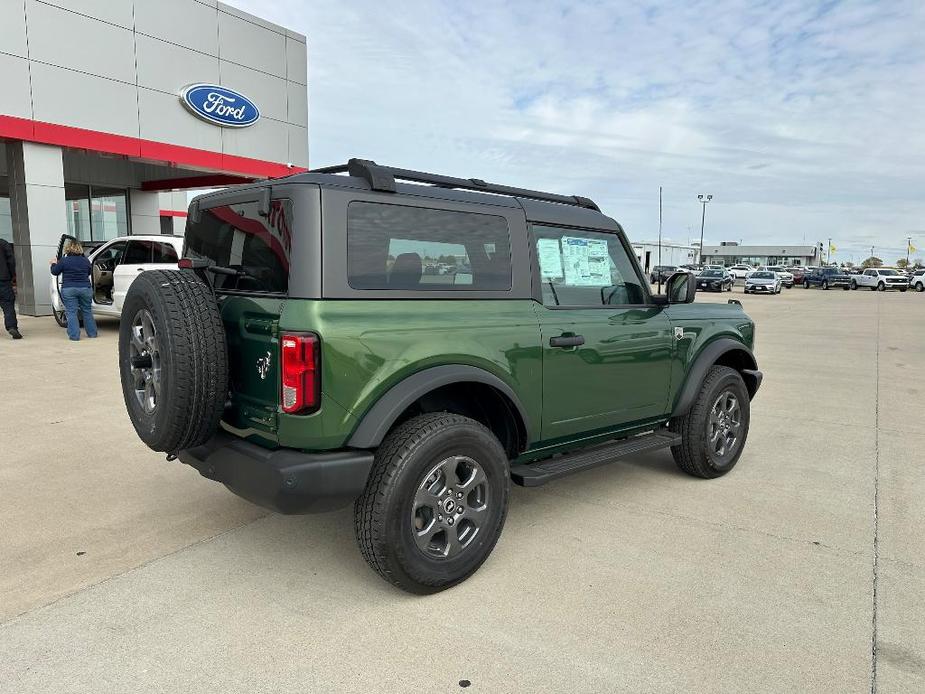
x=704, y=199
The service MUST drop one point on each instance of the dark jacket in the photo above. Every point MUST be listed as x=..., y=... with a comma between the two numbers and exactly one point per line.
x=7, y=261
x=75, y=271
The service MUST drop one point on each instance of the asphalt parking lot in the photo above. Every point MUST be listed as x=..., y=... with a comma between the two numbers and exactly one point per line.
x=802, y=570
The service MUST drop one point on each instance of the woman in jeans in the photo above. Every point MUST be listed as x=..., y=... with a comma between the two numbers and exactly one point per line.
x=76, y=289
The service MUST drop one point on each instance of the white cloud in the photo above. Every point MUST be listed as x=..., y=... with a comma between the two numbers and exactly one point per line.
x=804, y=120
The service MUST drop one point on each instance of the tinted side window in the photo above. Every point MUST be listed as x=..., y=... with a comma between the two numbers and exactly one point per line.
x=164, y=253
x=138, y=252
x=415, y=248
x=238, y=237
x=585, y=268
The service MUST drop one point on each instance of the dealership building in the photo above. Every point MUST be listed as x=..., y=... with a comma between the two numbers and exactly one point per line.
x=111, y=110
x=732, y=253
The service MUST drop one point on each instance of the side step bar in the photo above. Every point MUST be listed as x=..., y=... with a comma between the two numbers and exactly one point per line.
x=537, y=474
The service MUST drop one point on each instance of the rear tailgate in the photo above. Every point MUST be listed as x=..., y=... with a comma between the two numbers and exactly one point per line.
x=237, y=237
x=251, y=327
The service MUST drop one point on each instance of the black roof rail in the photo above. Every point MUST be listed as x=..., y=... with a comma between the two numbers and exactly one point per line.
x=383, y=178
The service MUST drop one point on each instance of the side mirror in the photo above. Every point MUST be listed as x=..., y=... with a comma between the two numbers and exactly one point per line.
x=681, y=288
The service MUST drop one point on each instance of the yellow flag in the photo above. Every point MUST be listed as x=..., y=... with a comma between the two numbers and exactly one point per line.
x=912, y=249
x=832, y=248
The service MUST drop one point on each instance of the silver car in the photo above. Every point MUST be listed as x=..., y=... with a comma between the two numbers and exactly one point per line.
x=762, y=282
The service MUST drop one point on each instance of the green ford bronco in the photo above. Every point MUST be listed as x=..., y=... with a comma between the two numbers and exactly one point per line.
x=411, y=343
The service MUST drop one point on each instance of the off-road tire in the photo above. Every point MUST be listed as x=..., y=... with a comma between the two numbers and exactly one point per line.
x=193, y=358
x=383, y=513
x=920, y=287
x=692, y=455
x=881, y=287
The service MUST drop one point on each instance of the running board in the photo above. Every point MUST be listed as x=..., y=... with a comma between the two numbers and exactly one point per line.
x=537, y=474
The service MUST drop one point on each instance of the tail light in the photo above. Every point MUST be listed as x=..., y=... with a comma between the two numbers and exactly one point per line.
x=301, y=373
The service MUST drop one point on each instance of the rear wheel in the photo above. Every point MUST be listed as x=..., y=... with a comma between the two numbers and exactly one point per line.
x=172, y=360
x=435, y=502
x=713, y=433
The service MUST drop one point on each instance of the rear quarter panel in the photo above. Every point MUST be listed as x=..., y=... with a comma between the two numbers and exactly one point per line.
x=368, y=346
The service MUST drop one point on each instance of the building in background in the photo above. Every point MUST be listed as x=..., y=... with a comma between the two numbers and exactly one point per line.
x=731, y=253
x=672, y=254
x=103, y=127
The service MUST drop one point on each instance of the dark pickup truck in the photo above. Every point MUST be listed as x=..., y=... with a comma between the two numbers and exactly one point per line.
x=826, y=277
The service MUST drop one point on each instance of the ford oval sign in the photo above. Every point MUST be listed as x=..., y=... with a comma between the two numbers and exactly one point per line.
x=220, y=105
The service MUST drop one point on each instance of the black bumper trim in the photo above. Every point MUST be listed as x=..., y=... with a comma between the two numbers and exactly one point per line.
x=284, y=480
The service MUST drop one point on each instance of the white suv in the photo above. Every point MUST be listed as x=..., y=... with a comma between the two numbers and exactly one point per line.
x=116, y=264
x=917, y=281
x=740, y=272
x=880, y=279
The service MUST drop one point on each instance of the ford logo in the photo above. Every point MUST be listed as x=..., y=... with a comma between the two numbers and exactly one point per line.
x=220, y=105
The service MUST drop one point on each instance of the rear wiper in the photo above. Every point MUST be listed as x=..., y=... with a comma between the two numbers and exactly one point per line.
x=230, y=271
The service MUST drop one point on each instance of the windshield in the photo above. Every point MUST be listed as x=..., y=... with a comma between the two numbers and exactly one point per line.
x=888, y=272
x=712, y=273
x=762, y=276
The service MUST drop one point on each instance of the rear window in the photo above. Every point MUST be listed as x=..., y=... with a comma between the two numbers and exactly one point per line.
x=238, y=237
x=420, y=249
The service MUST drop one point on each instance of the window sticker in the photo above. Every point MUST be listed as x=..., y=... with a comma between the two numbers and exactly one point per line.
x=586, y=262
x=550, y=258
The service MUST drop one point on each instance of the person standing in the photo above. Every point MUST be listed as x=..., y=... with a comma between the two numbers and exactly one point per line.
x=76, y=289
x=7, y=296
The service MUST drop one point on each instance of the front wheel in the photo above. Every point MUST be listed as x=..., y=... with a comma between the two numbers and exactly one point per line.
x=881, y=287
x=854, y=285
x=435, y=502
x=902, y=289
x=825, y=284
x=714, y=431
x=920, y=287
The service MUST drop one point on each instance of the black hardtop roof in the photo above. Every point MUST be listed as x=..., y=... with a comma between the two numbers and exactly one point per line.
x=539, y=207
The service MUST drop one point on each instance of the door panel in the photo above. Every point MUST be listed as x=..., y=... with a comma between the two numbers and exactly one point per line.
x=618, y=376
x=607, y=348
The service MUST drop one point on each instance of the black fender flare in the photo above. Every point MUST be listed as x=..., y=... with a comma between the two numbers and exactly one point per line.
x=378, y=420
x=708, y=356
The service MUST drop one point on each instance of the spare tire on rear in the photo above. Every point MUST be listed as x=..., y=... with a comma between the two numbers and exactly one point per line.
x=173, y=359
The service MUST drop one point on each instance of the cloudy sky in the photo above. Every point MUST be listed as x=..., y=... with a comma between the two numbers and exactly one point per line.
x=804, y=120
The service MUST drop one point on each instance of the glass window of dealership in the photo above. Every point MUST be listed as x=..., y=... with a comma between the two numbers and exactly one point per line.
x=92, y=213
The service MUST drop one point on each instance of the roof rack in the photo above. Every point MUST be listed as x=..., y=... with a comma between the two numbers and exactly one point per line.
x=383, y=178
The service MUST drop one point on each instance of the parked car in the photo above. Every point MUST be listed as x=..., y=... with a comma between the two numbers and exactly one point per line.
x=116, y=264
x=306, y=391
x=715, y=281
x=880, y=279
x=786, y=277
x=826, y=277
x=693, y=269
x=661, y=273
x=917, y=281
x=740, y=272
x=762, y=282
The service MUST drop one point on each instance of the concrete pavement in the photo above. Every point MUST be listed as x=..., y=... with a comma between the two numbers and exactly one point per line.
x=801, y=570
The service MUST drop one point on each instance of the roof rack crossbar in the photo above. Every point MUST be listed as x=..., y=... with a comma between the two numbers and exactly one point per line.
x=383, y=178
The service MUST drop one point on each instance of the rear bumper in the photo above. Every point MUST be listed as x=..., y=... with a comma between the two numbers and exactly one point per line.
x=284, y=480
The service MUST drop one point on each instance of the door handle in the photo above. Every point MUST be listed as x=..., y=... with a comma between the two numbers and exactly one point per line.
x=567, y=341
